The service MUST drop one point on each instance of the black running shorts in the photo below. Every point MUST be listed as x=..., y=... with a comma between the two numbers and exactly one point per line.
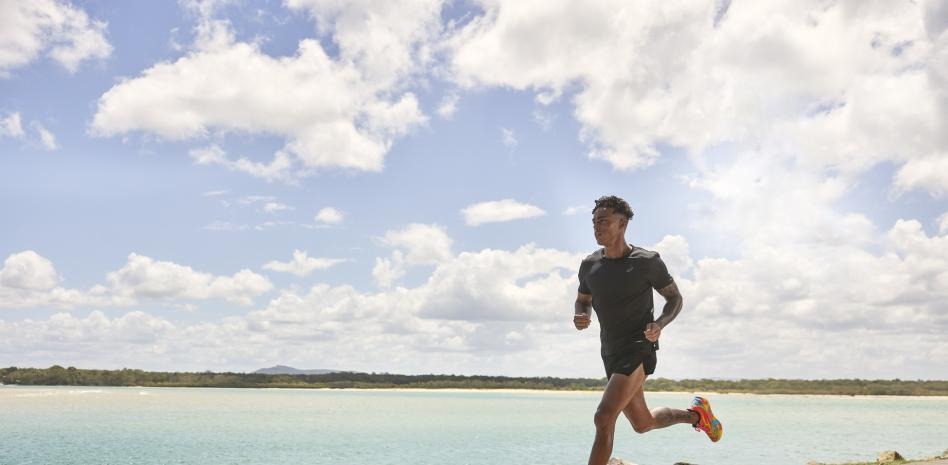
x=626, y=362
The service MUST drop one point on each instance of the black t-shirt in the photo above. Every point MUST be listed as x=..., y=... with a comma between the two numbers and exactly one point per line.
x=621, y=291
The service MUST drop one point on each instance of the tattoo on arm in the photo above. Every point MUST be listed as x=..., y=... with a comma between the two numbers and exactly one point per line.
x=673, y=303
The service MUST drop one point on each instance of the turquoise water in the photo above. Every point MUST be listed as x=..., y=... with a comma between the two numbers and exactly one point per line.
x=70, y=425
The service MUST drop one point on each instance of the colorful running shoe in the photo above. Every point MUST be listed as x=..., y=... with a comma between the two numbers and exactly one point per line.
x=706, y=421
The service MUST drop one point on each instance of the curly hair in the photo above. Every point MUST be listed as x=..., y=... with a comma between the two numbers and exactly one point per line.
x=616, y=204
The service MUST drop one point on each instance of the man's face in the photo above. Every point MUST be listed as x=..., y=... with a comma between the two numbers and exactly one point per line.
x=608, y=226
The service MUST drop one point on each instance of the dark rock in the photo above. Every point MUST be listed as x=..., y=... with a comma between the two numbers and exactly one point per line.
x=889, y=456
x=615, y=461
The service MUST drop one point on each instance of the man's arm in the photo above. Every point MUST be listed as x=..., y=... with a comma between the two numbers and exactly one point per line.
x=583, y=308
x=673, y=303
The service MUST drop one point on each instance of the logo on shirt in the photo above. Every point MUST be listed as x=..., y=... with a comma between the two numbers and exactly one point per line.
x=629, y=269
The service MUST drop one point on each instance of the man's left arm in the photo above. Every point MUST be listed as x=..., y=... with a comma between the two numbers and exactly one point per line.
x=673, y=303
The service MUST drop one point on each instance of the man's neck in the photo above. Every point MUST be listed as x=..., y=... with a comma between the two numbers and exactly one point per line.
x=618, y=249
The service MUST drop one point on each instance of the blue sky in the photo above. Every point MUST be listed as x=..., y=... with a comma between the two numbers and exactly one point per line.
x=149, y=222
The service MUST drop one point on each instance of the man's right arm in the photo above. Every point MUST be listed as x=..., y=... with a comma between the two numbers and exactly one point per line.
x=583, y=309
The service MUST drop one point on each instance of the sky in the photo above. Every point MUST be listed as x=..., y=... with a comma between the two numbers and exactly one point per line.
x=406, y=186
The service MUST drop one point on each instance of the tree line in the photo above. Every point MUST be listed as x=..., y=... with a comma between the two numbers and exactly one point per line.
x=59, y=376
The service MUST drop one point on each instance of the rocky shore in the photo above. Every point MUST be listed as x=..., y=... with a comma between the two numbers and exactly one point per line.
x=615, y=461
x=889, y=457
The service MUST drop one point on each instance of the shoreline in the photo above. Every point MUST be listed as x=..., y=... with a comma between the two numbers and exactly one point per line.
x=59, y=376
x=476, y=390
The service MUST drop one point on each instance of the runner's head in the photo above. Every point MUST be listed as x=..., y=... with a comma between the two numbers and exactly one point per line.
x=611, y=215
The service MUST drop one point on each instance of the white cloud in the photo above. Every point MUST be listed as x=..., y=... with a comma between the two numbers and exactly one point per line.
x=448, y=105
x=333, y=113
x=416, y=244
x=387, y=40
x=329, y=216
x=10, y=126
x=386, y=327
x=277, y=169
x=423, y=244
x=205, y=9
x=676, y=254
x=758, y=200
x=386, y=324
x=943, y=223
x=111, y=343
x=215, y=193
x=499, y=311
x=252, y=199
x=929, y=173
x=826, y=84
x=29, y=280
x=544, y=118
x=859, y=305
x=272, y=224
x=144, y=277
x=406, y=328
x=528, y=284
x=28, y=270
x=302, y=264
x=57, y=28
x=47, y=139
x=576, y=209
x=508, y=138
x=499, y=211
x=63, y=329
x=388, y=270
x=276, y=207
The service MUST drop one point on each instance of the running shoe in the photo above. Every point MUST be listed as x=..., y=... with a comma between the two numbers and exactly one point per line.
x=706, y=421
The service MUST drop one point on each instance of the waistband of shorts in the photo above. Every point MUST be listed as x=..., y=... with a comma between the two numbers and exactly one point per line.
x=633, y=347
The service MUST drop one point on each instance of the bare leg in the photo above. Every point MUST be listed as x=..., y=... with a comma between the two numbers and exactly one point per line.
x=643, y=420
x=665, y=417
x=619, y=391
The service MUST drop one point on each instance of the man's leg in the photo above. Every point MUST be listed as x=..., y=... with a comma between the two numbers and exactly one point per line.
x=644, y=420
x=619, y=391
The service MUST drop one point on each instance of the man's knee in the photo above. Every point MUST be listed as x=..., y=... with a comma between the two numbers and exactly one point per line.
x=643, y=428
x=605, y=419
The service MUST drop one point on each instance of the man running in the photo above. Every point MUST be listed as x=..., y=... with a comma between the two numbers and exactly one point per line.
x=617, y=281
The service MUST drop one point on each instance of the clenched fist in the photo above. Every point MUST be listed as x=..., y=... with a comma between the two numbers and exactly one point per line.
x=653, y=331
x=581, y=321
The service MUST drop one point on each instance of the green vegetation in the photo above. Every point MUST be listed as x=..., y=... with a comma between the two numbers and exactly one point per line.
x=57, y=375
x=846, y=387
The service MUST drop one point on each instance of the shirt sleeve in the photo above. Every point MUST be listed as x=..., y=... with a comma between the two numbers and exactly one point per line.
x=583, y=287
x=658, y=275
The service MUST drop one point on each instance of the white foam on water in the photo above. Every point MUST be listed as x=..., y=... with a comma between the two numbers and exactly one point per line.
x=36, y=394
x=57, y=392
x=85, y=391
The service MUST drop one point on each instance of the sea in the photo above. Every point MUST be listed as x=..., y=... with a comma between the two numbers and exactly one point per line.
x=144, y=426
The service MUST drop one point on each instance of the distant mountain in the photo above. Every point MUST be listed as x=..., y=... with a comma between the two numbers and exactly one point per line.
x=285, y=370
